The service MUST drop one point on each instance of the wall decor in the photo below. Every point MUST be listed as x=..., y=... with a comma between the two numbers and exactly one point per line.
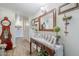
x=66, y=19
x=35, y=23
x=5, y=23
x=32, y=22
x=6, y=35
x=67, y=7
x=47, y=21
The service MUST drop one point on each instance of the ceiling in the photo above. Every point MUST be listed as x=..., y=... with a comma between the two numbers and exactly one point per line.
x=26, y=9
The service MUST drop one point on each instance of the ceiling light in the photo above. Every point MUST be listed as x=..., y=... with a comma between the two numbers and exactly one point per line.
x=27, y=24
x=44, y=9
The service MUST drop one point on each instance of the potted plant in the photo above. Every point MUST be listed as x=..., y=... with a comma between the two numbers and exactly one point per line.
x=42, y=53
x=57, y=30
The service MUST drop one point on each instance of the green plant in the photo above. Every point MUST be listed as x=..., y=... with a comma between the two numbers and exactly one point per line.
x=67, y=18
x=42, y=53
x=57, y=29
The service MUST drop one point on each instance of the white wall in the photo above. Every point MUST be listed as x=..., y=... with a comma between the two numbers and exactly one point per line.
x=26, y=28
x=71, y=41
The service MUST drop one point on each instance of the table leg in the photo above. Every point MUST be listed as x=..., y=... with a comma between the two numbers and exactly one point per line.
x=50, y=52
x=37, y=48
x=30, y=48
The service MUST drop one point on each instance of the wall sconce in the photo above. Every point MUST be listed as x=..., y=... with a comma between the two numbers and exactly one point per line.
x=66, y=19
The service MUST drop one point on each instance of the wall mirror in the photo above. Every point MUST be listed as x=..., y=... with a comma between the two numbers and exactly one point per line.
x=47, y=21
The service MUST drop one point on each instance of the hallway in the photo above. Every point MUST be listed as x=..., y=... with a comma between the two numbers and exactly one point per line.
x=22, y=48
x=49, y=28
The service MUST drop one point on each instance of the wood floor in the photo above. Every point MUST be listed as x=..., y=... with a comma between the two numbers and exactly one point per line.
x=22, y=49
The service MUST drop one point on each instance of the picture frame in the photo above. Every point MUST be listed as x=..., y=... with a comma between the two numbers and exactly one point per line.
x=67, y=7
x=78, y=4
x=47, y=21
x=35, y=23
x=53, y=40
x=32, y=22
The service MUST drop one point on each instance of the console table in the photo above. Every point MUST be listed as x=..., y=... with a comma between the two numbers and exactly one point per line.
x=42, y=45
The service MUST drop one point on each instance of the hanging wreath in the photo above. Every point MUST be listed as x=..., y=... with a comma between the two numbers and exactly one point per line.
x=5, y=22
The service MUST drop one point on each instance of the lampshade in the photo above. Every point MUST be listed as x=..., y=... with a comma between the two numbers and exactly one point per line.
x=18, y=23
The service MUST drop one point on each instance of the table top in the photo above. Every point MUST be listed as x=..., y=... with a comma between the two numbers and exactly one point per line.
x=46, y=43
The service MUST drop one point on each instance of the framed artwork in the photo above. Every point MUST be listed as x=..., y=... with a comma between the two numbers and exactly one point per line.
x=47, y=21
x=67, y=7
x=35, y=23
x=53, y=40
x=32, y=22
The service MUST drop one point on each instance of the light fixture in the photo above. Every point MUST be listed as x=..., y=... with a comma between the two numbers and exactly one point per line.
x=44, y=9
x=18, y=23
x=27, y=24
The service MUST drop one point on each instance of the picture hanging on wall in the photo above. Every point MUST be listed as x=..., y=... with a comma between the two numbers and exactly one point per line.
x=48, y=21
x=67, y=7
x=35, y=23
